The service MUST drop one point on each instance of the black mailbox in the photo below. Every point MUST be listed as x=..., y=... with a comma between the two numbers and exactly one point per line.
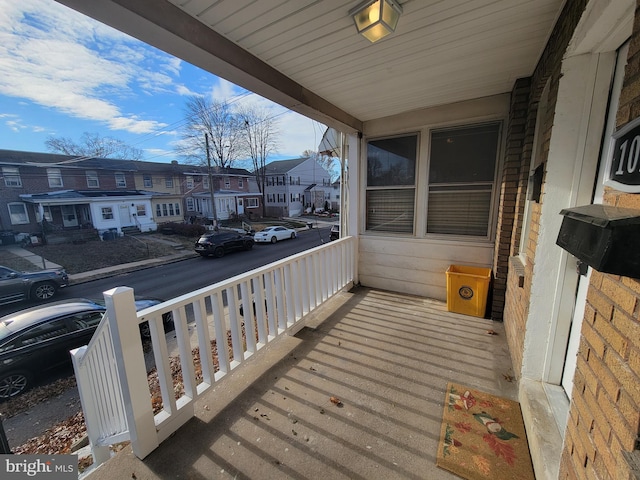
x=604, y=237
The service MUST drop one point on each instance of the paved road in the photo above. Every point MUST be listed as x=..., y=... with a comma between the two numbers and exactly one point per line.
x=174, y=279
x=165, y=282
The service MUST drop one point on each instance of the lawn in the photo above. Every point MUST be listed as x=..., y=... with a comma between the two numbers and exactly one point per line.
x=77, y=258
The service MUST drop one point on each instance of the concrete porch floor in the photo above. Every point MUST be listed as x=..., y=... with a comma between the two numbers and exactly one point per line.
x=387, y=357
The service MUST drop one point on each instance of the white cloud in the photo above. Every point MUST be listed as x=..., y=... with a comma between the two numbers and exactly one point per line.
x=49, y=55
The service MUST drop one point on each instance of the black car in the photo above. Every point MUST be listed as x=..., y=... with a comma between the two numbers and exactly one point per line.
x=17, y=286
x=334, y=234
x=36, y=340
x=217, y=244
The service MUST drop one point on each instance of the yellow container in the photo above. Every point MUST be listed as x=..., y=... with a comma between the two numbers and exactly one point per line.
x=467, y=289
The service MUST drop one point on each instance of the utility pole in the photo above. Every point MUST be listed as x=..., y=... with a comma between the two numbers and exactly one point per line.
x=211, y=189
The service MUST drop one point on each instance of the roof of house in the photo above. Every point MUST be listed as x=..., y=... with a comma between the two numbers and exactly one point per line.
x=283, y=166
x=43, y=160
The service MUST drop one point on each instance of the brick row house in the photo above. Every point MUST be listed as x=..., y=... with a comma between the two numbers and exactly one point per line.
x=80, y=198
x=473, y=135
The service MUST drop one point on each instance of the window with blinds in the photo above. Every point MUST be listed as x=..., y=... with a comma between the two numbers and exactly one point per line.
x=391, y=179
x=461, y=180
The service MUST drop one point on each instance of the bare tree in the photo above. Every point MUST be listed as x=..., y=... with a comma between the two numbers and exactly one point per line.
x=325, y=161
x=223, y=127
x=93, y=145
x=261, y=140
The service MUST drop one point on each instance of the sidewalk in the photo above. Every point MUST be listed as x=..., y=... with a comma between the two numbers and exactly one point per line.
x=41, y=262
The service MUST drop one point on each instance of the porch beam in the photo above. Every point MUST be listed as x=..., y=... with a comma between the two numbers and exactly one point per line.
x=163, y=25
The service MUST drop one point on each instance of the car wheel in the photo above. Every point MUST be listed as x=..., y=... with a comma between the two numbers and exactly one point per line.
x=218, y=252
x=293, y=235
x=43, y=291
x=145, y=330
x=248, y=246
x=167, y=319
x=14, y=384
x=274, y=239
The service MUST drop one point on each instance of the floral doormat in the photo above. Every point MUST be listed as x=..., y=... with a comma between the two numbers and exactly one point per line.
x=483, y=437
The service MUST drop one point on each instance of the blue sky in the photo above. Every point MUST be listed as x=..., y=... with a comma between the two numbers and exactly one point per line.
x=64, y=74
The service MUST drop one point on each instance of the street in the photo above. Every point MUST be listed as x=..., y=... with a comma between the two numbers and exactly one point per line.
x=163, y=282
x=174, y=279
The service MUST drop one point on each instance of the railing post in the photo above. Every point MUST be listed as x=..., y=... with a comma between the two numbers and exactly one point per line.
x=127, y=344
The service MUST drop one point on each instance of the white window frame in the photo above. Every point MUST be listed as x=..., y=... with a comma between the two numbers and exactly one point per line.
x=205, y=182
x=190, y=204
x=377, y=192
x=240, y=182
x=121, y=180
x=93, y=180
x=251, y=203
x=141, y=210
x=227, y=182
x=18, y=218
x=189, y=181
x=147, y=181
x=11, y=177
x=168, y=182
x=54, y=176
x=107, y=213
x=465, y=189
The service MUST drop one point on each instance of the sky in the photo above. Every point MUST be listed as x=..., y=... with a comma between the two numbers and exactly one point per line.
x=63, y=74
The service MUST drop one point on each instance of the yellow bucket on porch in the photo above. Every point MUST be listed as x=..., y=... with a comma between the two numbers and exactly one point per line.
x=467, y=289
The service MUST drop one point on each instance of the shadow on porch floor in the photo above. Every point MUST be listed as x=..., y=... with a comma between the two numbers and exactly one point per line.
x=387, y=357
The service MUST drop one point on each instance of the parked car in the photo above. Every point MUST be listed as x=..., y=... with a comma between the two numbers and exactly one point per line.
x=217, y=244
x=17, y=286
x=37, y=340
x=273, y=234
x=334, y=234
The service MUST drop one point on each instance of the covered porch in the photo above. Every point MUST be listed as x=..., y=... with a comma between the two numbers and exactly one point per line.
x=386, y=356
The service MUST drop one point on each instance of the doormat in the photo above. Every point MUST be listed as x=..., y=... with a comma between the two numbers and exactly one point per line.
x=483, y=437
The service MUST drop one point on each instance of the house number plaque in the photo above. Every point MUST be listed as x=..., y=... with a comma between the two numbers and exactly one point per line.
x=624, y=171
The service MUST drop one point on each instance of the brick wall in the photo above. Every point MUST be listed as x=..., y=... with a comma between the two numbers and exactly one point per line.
x=604, y=420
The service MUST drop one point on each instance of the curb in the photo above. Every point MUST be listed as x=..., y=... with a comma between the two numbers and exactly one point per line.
x=83, y=277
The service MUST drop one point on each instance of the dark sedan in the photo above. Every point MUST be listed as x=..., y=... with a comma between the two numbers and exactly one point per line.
x=17, y=286
x=37, y=340
x=217, y=244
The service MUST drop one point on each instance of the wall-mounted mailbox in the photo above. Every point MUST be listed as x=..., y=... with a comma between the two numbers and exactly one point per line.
x=604, y=237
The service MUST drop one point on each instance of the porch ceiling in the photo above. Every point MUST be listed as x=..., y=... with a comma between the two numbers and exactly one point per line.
x=306, y=54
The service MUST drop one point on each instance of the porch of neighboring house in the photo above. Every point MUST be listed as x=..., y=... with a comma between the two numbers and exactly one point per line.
x=386, y=356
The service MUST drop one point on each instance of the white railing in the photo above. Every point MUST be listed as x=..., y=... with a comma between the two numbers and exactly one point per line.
x=121, y=400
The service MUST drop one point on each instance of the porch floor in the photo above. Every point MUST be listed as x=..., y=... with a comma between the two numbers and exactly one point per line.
x=387, y=357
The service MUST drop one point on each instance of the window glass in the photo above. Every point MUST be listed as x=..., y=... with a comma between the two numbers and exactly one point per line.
x=189, y=181
x=87, y=319
x=148, y=181
x=55, y=177
x=462, y=173
x=168, y=182
x=92, y=179
x=39, y=333
x=18, y=213
x=11, y=177
x=177, y=205
x=121, y=181
x=391, y=176
x=141, y=210
x=107, y=213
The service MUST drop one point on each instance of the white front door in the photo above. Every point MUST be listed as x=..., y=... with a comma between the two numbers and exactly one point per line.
x=125, y=216
x=240, y=206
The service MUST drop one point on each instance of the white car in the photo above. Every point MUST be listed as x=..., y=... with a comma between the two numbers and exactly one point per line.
x=273, y=234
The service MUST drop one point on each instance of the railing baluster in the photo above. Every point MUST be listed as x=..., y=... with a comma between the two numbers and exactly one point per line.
x=111, y=372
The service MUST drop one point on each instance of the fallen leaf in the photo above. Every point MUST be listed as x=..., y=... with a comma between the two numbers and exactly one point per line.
x=336, y=401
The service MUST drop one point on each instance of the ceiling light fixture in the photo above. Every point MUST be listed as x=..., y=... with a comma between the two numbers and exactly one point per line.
x=375, y=19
